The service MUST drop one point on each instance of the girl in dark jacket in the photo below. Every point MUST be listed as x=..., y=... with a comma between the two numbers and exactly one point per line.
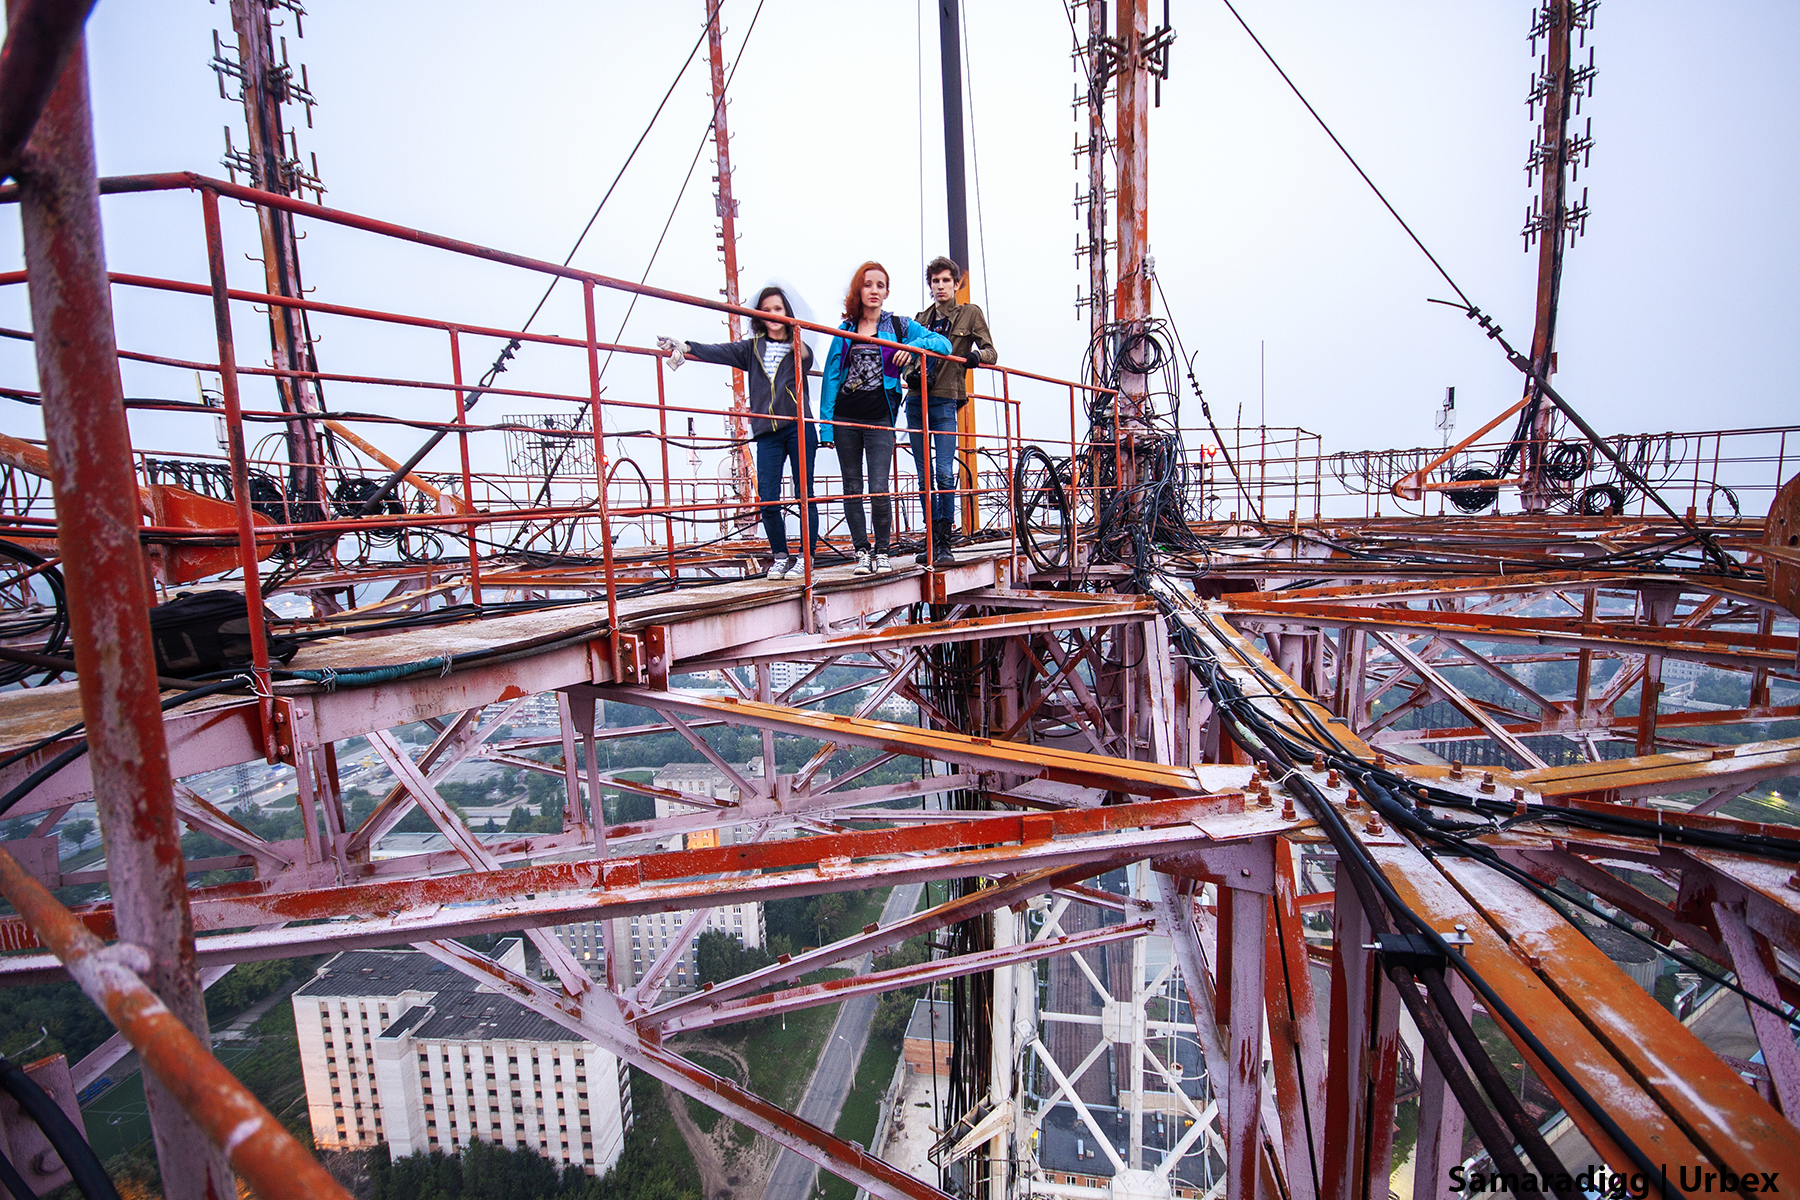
x=766, y=358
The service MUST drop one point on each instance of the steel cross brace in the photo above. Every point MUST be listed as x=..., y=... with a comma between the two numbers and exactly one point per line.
x=741, y=1105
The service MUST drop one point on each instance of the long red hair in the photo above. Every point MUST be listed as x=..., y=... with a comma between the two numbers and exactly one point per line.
x=853, y=307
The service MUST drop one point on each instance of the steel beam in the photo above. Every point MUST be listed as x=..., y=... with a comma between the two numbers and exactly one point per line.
x=89, y=447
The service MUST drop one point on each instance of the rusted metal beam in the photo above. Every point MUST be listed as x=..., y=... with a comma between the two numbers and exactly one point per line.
x=1728, y=648
x=1086, y=770
x=1454, y=695
x=231, y=1122
x=40, y=36
x=89, y=446
x=769, y=1004
x=560, y=893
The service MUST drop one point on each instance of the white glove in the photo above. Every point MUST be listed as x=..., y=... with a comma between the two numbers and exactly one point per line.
x=677, y=351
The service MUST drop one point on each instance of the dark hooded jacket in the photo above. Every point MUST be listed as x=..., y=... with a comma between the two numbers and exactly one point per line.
x=768, y=397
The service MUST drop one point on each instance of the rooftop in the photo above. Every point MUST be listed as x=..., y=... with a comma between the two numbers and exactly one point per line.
x=459, y=1008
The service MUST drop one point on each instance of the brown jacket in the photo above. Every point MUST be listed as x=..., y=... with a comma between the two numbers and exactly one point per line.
x=967, y=329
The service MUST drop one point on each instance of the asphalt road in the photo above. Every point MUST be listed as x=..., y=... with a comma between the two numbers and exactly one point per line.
x=793, y=1176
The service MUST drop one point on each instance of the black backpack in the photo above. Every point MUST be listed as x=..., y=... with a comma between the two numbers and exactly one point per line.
x=200, y=632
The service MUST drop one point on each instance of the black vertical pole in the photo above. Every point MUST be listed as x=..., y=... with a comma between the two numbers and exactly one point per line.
x=950, y=51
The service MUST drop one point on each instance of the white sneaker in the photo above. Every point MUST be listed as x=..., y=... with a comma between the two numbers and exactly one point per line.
x=862, y=563
x=882, y=565
x=779, y=568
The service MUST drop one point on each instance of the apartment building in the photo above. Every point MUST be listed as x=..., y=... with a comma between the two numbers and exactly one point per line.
x=397, y=1047
x=652, y=934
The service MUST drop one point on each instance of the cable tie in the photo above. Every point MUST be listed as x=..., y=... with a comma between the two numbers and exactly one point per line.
x=328, y=677
x=445, y=673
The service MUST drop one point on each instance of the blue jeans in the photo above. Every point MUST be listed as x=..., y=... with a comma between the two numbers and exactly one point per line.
x=773, y=452
x=942, y=416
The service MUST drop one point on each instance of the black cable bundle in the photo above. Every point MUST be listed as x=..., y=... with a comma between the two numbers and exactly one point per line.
x=1392, y=797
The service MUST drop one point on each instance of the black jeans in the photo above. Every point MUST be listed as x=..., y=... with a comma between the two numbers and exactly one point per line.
x=876, y=448
x=773, y=451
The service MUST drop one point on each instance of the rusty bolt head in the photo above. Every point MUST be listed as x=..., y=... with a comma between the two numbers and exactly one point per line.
x=1374, y=825
x=1487, y=781
x=1794, y=881
x=1287, y=809
x=1381, y=762
x=1456, y=768
x=1353, y=801
x=1331, y=778
x=1264, y=800
x=1520, y=809
x=1318, y=762
x=1262, y=770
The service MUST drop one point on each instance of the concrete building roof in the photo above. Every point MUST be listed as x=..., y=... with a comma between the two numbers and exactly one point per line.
x=919, y=1025
x=459, y=1009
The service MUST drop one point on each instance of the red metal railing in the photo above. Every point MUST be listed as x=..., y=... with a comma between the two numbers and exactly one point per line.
x=613, y=514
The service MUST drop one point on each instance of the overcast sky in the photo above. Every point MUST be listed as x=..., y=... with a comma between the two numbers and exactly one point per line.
x=504, y=126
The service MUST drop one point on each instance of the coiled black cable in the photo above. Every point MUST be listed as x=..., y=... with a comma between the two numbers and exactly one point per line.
x=70, y=1145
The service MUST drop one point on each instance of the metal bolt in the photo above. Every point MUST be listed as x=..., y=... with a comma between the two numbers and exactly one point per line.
x=1374, y=825
x=1456, y=768
x=1287, y=809
x=1352, y=801
x=1381, y=762
x=1262, y=770
x=1318, y=762
x=1331, y=778
x=1487, y=781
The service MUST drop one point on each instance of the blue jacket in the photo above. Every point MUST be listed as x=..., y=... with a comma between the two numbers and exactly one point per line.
x=891, y=327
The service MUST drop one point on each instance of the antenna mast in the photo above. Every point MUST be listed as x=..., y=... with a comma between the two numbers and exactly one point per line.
x=737, y=420
x=271, y=159
x=1551, y=221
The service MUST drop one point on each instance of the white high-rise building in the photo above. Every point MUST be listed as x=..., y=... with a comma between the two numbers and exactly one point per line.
x=397, y=1047
x=652, y=933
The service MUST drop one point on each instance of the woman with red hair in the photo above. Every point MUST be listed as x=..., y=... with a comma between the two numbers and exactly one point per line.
x=859, y=402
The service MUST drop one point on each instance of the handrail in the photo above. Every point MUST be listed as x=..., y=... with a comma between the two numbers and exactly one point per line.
x=258, y=1146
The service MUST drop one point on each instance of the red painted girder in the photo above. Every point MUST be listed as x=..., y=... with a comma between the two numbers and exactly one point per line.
x=1701, y=644
x=1704, y=1098
x=558, y=893
x=1036, y=762
x=895, y=637
x=1658, y=774
x=941, y=916
x=831, y=991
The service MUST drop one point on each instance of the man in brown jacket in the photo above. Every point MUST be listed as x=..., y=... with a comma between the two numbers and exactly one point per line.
x=944, y=394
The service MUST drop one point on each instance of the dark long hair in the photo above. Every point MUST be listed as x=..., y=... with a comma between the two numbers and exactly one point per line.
x=760, y=327
x=853, y=305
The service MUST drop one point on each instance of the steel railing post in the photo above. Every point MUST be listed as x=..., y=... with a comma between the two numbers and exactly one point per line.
x=600, y=472
x=662, y=430
x=234, y=440
x=462, y=438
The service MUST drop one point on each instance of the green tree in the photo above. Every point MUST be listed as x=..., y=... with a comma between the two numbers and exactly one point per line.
x=720, y=956
x=826, y=911
x=76, y=832
x=519, y=821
